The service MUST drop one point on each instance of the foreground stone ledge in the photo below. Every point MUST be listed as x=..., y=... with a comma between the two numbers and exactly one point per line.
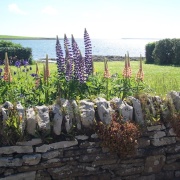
x=58, y=145
x=32, y=142
x=16, y=149
x=22, y=176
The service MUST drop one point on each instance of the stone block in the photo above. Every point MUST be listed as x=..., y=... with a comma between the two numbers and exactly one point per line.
x=52, y=154
x=154, y=164
x=54, y=146
x=157, y=134
x=32, y=142
x=10, y=162
x=31, y=159
x=177, y=174
x=104, y=110
x=163, y=141
x=31, y=121
x=16, y=149
x=82, y=137
x=172, y=166
x=156, y=127
x=87, y=112
x=172, y=158
x=129, y=171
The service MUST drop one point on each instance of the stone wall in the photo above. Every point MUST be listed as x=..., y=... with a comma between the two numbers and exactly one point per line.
x=157, y=157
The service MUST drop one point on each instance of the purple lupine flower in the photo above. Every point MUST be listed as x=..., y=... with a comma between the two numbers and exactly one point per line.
x=68, y=58
x=33, y=75
x=25, y=63
x=60, y=57
x=17, y=64
x=79, y=66
x=88, y=53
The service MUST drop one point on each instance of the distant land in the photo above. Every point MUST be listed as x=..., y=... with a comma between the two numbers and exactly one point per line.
x=9, y=37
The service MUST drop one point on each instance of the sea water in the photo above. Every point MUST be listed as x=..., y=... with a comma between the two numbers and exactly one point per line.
x=104, y=47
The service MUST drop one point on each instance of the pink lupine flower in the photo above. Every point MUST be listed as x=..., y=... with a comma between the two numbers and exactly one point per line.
x=7, y=72
x=106, y=70
x=127, y=69
x=140, y=73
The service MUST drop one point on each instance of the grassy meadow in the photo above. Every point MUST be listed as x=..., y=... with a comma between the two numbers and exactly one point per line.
x=159, y=79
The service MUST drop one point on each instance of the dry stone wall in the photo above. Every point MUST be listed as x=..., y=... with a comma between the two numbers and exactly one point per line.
x=157, y=157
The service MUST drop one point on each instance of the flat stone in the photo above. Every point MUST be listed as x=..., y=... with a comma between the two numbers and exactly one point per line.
x=163, y=141
x=22, y=176
x=10, y=162
x=156, y=128
x=150, y=177
x=8, y=172
x=157, y=134
x=130, y=171
x=32, y=142
x=58, y=145
x=16, y=149
x=31, y=159
x=31, y=121
x=52, y=154
x=154, y=164
x=82, y=137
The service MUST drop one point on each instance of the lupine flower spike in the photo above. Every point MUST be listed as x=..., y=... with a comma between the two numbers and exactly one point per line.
x=60, y=57
x=140, y=74
x=7, y=72
x=106, y=70
x=126, y=70
x=79, y=64
x=68, y=59
x=37, y=82
x=88, y=53
x=129, y=65
x=47, y=67
x=37, y=69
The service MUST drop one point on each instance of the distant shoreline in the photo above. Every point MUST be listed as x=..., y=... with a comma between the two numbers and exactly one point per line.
x=99, y=58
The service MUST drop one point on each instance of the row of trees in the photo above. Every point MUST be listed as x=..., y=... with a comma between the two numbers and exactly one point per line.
x=163, y=52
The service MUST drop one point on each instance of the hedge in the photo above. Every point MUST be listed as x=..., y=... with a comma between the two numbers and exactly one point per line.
x=16, y=53
x=163, y=52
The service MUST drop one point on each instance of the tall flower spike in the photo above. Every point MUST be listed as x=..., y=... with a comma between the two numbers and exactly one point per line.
x=88, y=53
x=68, y=59
x=140, y=73
x=60, y=57
x=129, y=65
x=106, y=70
x=126, y=72
x=37, y=69
x=79, y=65
x=47, y=67
x=7, y=72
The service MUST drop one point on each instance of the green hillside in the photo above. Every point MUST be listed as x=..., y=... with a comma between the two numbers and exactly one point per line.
x=9, y=37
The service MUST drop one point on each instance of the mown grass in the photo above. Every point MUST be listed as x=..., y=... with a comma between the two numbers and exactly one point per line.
x=160, y=79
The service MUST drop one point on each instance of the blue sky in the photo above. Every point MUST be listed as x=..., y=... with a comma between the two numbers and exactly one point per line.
x=101, y=18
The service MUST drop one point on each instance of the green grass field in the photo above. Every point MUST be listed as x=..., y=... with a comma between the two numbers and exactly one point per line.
x=161, y=79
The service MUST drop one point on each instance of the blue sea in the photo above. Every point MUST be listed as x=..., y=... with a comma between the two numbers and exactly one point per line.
x=105, y=47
